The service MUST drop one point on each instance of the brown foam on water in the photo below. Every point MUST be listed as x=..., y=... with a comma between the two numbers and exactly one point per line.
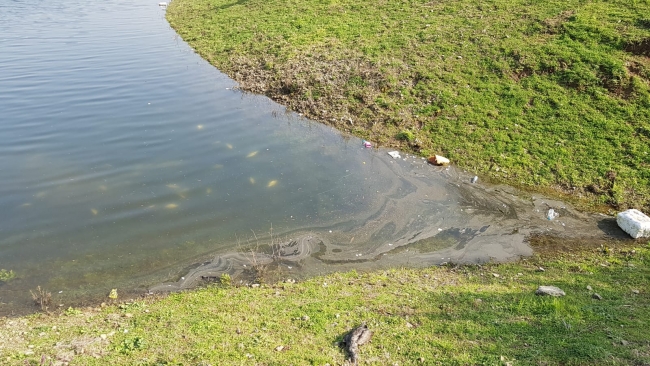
x=424, y=215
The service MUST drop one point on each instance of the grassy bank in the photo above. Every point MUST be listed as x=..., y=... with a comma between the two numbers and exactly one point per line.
x=452, y=315
x=546, y=94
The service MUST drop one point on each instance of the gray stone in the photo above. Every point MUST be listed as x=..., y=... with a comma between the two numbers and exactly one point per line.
x=549, y=291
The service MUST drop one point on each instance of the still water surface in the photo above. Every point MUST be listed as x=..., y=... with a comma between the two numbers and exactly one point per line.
x=125, y=158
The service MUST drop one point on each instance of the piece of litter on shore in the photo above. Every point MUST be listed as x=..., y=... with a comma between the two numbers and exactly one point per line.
x=394, y=154
x=438, y=160
x=634, y=222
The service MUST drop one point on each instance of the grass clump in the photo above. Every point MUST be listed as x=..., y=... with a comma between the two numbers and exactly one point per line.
x=6, y=275
x=42, y=298
x=406, y=135
x=552, y=94
x=450, y=315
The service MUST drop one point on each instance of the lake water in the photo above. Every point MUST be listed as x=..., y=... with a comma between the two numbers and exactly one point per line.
x=128, y=162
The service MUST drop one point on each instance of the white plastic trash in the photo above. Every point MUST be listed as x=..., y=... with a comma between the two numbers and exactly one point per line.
x=634, y=222
x=551, y=214
x=394, y=154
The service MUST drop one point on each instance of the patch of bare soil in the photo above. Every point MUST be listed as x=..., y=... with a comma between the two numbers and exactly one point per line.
x=641, y=47
x=554, y=24
x=341, y=91
x=546, y=245
x=640, y=68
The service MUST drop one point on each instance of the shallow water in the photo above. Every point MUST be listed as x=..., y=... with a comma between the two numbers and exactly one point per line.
x=128, y=161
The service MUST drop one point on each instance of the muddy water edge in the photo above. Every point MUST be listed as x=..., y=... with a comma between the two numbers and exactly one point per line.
x=130, y=163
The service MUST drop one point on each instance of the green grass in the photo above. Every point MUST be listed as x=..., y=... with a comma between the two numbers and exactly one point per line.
x=542, y=94
x=451, y=315
x=6, y=276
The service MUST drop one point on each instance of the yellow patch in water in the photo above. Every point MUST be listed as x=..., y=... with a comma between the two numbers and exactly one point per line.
x=182, y=195
x=208, y=191
x=199, y=127
x=217, y=166
x=172, y=186
x=252, y=180
x=40, y=194
x=229, y=146
x=272, y=183
x=95, y=212
x=26, y=204
x=171, y=206
x=252, y=154
x=103, y=188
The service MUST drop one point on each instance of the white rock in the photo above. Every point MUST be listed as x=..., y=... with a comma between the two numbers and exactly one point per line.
x=394, y=154
x=634, y=222
x=550, y=291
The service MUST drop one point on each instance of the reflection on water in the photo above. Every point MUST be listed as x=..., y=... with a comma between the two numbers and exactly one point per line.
x=125, y=158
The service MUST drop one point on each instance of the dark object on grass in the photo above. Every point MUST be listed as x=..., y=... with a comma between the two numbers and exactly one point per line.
x=357, y=337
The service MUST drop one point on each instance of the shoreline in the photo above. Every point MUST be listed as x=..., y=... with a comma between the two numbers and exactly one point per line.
x=376, y=96
x=465, y=314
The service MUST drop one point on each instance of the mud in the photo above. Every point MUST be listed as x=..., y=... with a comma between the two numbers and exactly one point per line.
x=427, y=216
